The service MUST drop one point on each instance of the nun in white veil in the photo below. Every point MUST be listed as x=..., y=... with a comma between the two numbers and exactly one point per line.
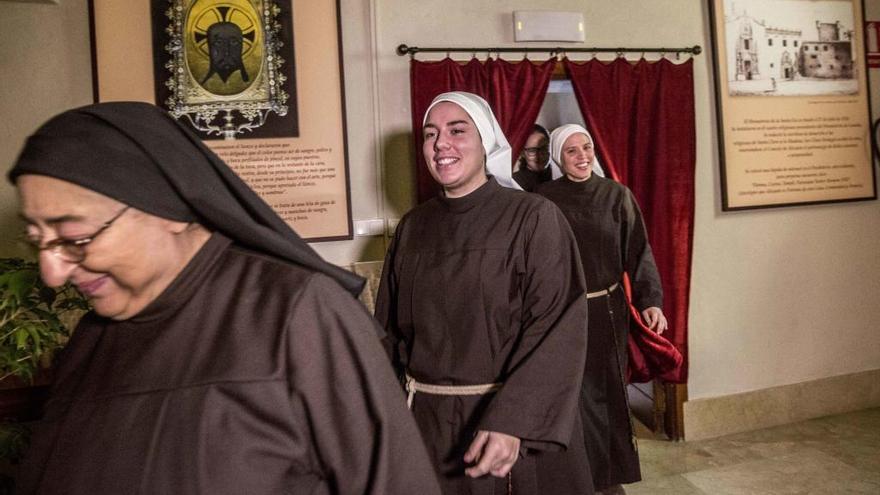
x=613, y=240
x=495, y=146
x=557, y=138
x=485, y=328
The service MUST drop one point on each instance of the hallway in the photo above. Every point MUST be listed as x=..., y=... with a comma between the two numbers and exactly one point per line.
x=831, y=455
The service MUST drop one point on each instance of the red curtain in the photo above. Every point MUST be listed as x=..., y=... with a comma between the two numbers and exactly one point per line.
x=641, y=117
x=515, y=91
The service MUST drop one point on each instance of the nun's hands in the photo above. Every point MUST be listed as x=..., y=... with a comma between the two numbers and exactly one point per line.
x=493, y=452
x=655, y=319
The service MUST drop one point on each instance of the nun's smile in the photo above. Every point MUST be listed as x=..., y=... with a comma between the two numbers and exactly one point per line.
x=124, y=266
x=577, y=157
x=453, y=150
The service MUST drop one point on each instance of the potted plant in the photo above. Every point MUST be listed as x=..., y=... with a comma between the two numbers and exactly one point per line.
x=34, y=319
x=35, y=322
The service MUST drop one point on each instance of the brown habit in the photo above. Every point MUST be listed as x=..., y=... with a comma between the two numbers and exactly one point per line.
x=529, y=179
x=247, y=375
x=612, y=240
x=487, y=288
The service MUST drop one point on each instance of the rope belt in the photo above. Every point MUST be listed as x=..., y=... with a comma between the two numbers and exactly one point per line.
x=603, y=292
x=413, y=386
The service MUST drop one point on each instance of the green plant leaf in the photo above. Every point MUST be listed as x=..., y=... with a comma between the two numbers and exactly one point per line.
x=21, y=283
x=30, y=323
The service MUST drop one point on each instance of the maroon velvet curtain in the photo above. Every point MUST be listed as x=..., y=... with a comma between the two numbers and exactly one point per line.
x=515, y=91
x=641, y=117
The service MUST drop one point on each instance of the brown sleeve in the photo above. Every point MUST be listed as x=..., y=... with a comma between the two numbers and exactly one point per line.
x=365, y=439
x=638, y=260
x=386, y=308
x=538, y=401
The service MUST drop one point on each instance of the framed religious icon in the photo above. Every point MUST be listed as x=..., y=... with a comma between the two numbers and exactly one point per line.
x=236, y=73
x=792, y=100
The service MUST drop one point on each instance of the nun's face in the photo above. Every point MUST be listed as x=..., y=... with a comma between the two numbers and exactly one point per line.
x=453, y=150
x=577, y=157
x=126, y=265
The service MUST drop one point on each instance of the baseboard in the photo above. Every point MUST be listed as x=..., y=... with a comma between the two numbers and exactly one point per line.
x=717, y=416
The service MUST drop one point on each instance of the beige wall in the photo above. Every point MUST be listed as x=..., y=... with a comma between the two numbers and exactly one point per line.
x=779, y=296
x=46, y=67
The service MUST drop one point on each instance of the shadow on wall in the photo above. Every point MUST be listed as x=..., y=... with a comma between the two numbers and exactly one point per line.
x=373, y=248
x=399, y=175
x=11, y=227
x=399, y=189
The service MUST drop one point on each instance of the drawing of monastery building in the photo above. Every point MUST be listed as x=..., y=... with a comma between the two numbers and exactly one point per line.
x=756, y=50
x=831, y=57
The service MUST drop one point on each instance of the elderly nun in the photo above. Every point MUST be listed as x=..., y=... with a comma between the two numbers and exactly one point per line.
x=487, y=332
x=222, y=355
x=612, y=240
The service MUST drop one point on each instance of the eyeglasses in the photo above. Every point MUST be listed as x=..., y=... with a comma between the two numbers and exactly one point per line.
x=535, y=151
x=73, y=250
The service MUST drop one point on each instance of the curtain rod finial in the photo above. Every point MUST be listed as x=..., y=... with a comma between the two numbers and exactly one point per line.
x=402, y=49
x=698, y=49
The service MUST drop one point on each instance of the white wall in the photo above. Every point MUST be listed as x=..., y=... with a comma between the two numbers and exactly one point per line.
x=779, y=296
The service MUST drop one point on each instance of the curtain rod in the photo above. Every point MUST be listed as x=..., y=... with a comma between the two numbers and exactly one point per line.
x=402, y=50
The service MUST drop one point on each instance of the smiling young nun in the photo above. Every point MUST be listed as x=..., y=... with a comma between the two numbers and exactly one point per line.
x=222, y=355
x=612, y=240
x=486, y=330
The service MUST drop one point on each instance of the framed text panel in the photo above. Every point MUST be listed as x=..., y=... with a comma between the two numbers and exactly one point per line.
x=793, y=102
x=236, y=72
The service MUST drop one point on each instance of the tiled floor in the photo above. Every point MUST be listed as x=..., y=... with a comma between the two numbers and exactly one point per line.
x=832, y=455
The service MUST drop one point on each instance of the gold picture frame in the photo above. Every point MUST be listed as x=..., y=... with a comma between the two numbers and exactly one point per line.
x=227, y=64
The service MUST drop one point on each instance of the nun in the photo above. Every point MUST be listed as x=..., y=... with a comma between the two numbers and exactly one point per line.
x=222, y=355
x=487, y=332
x=612, y=240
